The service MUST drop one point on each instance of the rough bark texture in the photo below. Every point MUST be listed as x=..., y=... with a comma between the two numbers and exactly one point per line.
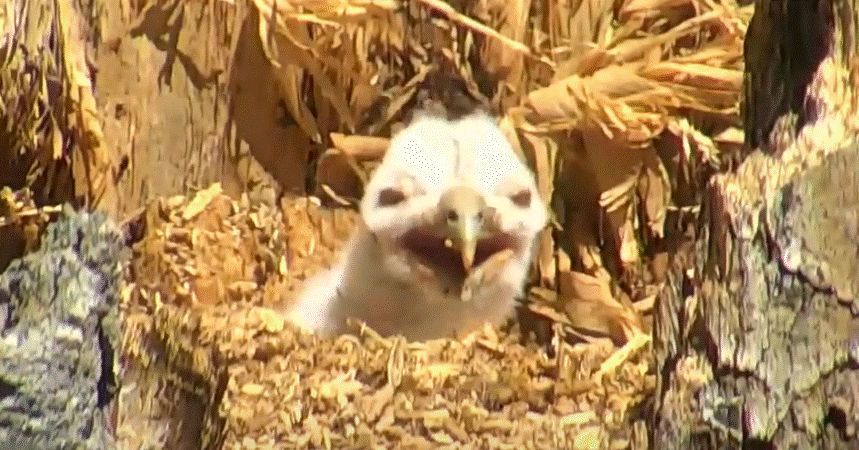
x=756, y=332
x=207, y=109
x=58, y=321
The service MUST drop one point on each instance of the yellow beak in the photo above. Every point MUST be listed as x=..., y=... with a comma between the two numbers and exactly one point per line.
x=466, y=241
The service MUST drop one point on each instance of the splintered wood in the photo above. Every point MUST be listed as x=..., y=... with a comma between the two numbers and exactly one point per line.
x=255, y=381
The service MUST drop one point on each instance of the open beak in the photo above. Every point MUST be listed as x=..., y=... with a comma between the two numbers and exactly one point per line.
x=466, y=239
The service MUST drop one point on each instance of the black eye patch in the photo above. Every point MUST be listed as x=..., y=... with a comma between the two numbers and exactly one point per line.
x=390, y=197
x=522, y=198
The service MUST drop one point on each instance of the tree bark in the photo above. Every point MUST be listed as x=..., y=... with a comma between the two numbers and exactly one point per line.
x=60, y=333
x=756, y=332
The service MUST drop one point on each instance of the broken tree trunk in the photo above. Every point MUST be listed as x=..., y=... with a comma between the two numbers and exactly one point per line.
x=756, y=332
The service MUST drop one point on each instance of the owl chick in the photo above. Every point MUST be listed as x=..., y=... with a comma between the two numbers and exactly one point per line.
x=449, y=221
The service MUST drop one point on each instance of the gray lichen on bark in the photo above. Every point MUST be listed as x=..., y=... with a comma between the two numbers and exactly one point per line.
x=814, y=224
x=756, y=332
x=771, y=328
x=59, y=335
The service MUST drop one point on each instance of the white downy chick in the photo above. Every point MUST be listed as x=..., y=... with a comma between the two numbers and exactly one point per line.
x=457, y=183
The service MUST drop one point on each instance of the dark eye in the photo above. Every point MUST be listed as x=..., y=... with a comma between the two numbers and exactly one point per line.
x=390, y=197
x=522, y=198
x=452, y=216
x=480, y=215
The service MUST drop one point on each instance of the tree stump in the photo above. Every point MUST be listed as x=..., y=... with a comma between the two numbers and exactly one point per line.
x=756, y=332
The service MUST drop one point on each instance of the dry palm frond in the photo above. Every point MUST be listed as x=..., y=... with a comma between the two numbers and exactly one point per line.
x=51, y=124
x=622, y=108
